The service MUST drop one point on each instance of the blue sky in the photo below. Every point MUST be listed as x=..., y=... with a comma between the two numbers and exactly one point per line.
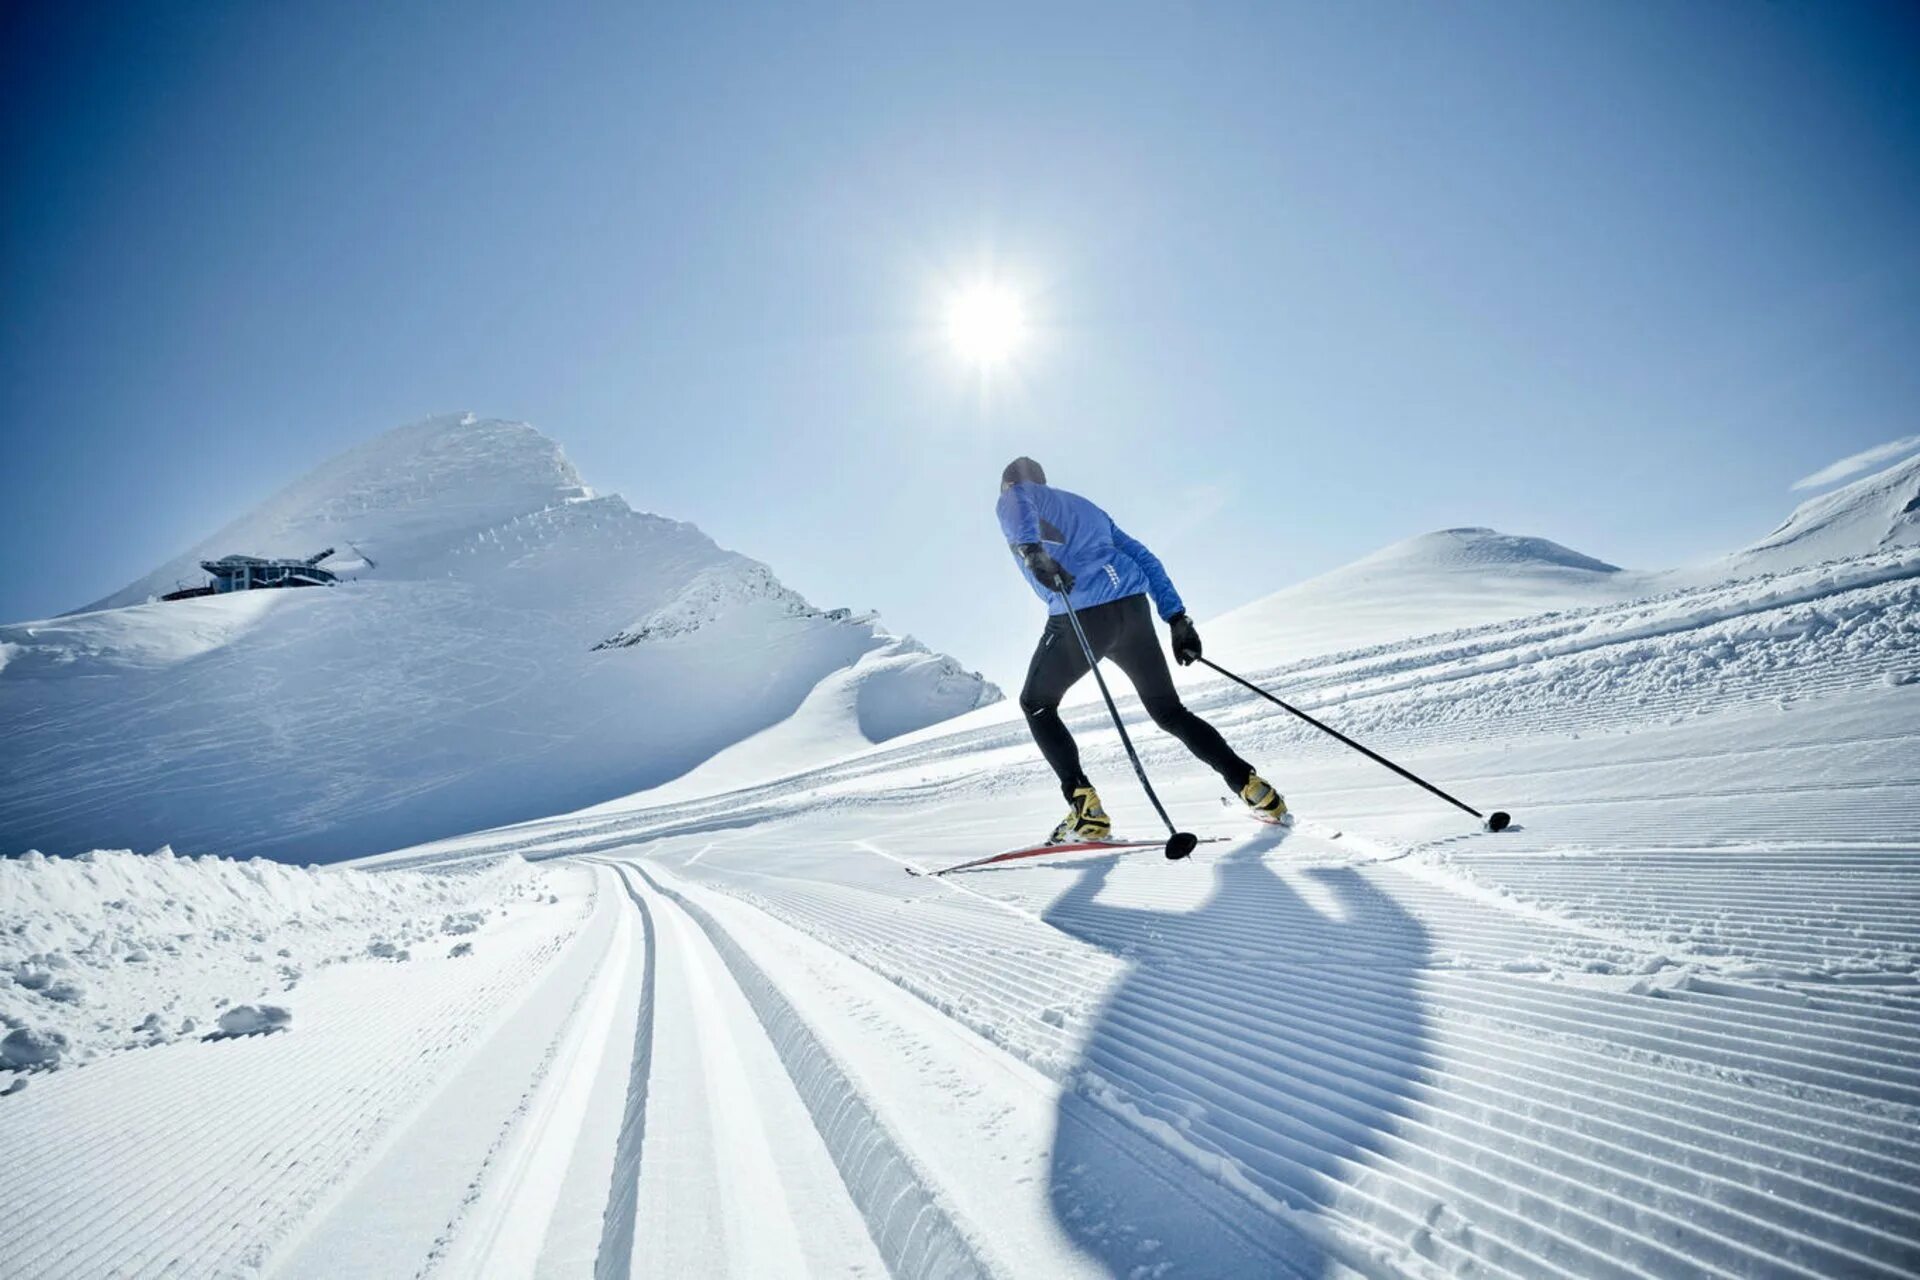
x=1306, y=279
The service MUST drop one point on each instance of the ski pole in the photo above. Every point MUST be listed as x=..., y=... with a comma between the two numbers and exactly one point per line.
x=1179, y=843
x=1495, y=821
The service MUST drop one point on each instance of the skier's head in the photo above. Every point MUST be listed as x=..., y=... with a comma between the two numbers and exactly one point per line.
x=1021, y=471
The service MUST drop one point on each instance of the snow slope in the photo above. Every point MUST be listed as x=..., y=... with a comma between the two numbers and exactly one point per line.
x=517, y=646
x=1875, y=513
x=1467, y=577
x=1434, y=582
x=1667, y=1024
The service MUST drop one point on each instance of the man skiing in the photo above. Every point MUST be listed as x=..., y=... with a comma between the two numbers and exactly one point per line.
x=1074, y=556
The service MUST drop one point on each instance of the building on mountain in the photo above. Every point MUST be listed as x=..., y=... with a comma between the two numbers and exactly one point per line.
x=252, y=573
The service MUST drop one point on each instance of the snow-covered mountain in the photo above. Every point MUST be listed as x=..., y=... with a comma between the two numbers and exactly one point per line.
x=1434, y=582
x=507, y=645
x=1876, y=513
x=1472, y=577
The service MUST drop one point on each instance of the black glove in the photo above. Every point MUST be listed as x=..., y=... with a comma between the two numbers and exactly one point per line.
x=1050, y=571
x=1186, y=640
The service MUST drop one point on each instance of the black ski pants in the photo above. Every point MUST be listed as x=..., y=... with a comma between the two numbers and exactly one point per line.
x=1122, y=631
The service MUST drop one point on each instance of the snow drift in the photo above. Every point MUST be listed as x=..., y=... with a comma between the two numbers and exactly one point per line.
x=483, y=665
x=117, y=950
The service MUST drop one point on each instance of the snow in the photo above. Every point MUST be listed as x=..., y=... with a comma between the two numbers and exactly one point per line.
x=28, y=1048
x=1434, y=582
x=251, y=1020
x=1460, y=578
x=488, y=667
x=112, y=951
x=885, y=694
x=1878, y=512
x=1668, y=1023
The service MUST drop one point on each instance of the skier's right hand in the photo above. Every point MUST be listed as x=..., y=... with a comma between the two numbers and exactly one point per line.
x=1044, y=567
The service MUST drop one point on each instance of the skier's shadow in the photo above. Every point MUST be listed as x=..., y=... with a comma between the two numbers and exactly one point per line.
x=1270, y=1035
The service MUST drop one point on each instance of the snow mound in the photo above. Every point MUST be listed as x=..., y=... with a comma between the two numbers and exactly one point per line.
x=1438, y=581
x=32, y=1049
x=483, y=666
x=254, y=1019
x=1476, y=550
x=878, y=699
x=115, y=950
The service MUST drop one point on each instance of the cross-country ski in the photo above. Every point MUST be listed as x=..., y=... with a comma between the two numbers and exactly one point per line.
x=1036, y=851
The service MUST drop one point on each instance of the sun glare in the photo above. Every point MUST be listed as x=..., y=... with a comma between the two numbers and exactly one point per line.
x=986, y=324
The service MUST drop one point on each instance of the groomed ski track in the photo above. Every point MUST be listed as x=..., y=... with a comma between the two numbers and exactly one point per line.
x=1668, y=1025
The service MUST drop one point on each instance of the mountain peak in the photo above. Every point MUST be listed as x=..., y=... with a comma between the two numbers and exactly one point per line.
x=406, y=497
x=456, y=678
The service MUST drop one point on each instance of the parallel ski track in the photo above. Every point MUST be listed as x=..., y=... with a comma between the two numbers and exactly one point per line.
x=614, y=1260
x=906, y=1219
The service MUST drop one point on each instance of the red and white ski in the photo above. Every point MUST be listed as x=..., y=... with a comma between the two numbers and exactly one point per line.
x=1035, y=851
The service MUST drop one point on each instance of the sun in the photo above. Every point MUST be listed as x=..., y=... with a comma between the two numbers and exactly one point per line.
x=986, y=323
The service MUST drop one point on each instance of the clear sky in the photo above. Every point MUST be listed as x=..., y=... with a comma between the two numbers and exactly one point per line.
x=1303, y=279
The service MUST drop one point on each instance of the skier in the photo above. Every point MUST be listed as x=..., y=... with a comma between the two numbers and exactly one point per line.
x=1074, y=556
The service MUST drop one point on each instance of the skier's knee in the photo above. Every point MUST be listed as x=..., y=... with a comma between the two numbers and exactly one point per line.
x=1166, y=712
x=1034, y=706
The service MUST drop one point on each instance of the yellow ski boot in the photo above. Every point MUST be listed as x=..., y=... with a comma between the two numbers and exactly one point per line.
x=1086, y=821
x=1267, y=804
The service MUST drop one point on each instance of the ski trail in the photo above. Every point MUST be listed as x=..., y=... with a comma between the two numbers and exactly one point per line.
x=514, y=1206
x=734, y=1179
x=614, y=1258
x=912, y=1229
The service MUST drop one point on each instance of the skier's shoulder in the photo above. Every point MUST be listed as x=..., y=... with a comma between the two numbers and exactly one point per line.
x=1078, y=503
x=1034, y=496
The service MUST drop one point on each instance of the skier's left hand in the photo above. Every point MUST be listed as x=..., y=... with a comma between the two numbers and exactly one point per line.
x=1186, y=640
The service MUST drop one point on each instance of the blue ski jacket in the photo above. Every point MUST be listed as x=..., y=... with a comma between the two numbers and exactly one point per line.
x=1105, y=563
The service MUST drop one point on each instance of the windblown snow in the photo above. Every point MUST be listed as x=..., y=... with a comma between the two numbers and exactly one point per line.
x=1667, y=1024
x=482, y=665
